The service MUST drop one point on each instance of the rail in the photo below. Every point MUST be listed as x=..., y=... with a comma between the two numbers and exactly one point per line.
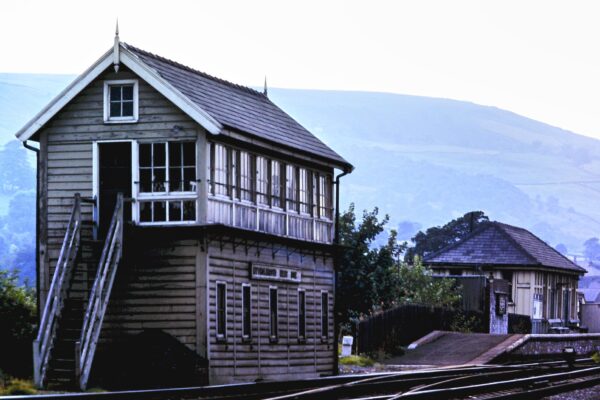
x=85, y=348
x=383, y=385
x=42, y=345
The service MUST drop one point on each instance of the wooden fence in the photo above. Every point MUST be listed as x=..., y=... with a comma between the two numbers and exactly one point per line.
x=400, y=326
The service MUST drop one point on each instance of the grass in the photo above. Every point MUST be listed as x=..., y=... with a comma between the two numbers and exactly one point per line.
x=360, y=361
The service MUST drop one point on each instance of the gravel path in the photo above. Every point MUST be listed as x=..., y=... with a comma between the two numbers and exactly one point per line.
x=592, y=393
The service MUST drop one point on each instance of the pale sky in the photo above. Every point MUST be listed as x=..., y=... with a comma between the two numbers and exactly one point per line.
x=540, y=59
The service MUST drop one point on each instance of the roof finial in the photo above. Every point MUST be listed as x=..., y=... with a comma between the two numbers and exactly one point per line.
x=116, y=55
x=265, y=91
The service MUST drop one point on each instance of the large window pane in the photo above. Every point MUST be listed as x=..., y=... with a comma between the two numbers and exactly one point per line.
x=175, y=154
x=262, y=180
x=175, y=211
x=158, y=184
x=127, y=92
x=146, y=211
x=145, y=155
x=189, y=210
x=292, y=188
x=189, y=154
x=189, y=179
x=159, y=155
x=160, y=211
x=275, y=183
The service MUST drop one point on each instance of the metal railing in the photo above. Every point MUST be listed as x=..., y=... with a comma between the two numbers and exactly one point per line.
x=85, y=348
x=42, y=345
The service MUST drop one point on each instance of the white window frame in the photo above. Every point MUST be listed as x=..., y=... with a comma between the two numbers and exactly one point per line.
x=166, y=195
x=121, y=120
x=220, y=336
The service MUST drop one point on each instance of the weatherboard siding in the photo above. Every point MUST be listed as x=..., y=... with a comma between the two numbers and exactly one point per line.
x=167, y=283
x=235, y=359
x=158, y=295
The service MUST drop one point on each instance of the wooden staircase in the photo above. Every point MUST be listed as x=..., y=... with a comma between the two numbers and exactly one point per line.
x=72, y=318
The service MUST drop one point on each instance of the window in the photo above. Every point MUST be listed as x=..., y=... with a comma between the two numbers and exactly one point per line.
x=246, y=311
x=324, y=314
x=303, y=190
x=291, y=188
x=301, y=314
x=221, y=310
x=273, y=330
x=508, y=276
x=121, y=101
x=245, y=171
x=262, y=180
x=220, y=164
x=324, y=197
x=275, y=183
x=167, y=182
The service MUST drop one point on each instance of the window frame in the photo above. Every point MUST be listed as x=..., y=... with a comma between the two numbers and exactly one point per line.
x=247, y=336
x=121, y=120
x=273, y=330
x=302, y=316
x=167, y=195
x=221, y=336
x=324, y=316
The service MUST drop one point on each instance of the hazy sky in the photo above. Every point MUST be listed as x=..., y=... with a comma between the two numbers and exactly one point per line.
x=536, y=58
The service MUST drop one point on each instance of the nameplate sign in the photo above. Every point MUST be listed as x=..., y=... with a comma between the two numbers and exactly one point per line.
x=274, y=273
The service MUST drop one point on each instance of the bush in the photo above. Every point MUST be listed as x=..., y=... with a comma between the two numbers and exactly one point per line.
x=19, y=387
x=17, y=325
x=361, y=361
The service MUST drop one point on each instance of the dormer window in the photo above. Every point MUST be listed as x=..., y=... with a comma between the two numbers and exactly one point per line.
x=121, y=101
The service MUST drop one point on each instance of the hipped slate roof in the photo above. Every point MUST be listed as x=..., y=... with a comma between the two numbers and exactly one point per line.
x=238, y=107
x=500, y=244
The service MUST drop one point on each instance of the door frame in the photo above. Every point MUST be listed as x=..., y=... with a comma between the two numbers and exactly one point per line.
x=96, y=179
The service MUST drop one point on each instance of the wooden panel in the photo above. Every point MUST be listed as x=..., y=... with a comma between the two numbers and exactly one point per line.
x=236, y=359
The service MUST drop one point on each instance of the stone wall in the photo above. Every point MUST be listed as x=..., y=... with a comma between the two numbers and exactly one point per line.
x=553, y=345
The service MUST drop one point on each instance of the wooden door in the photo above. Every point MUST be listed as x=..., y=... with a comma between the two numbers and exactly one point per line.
x=115, y=177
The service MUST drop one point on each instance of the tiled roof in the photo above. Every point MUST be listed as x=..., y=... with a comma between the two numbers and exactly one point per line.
x=501, y=244
x=238, y=107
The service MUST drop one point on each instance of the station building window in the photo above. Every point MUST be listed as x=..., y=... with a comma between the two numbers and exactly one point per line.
x=167, y=182
x=121, y=101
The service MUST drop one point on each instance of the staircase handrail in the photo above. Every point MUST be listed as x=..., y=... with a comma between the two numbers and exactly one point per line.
x=85, y=348
x=43, y=343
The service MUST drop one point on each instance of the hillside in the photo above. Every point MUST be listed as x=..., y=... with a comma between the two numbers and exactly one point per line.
x=422, y=160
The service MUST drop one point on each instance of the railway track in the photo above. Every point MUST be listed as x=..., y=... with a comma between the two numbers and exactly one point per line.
x=517, y=381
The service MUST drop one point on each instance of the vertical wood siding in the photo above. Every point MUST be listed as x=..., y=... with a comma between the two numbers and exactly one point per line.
x=236, y=360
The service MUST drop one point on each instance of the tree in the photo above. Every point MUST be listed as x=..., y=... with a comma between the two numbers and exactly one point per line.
x=373, y=277
x=438, y=237
x=417, y=285
x=591, y=249
x=367, y=276
x=17, y=324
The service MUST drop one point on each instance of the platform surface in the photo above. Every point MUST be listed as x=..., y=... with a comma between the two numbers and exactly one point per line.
x=453, y=348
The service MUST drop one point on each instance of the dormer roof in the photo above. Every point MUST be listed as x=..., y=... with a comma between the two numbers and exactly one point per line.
x=214, y=103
